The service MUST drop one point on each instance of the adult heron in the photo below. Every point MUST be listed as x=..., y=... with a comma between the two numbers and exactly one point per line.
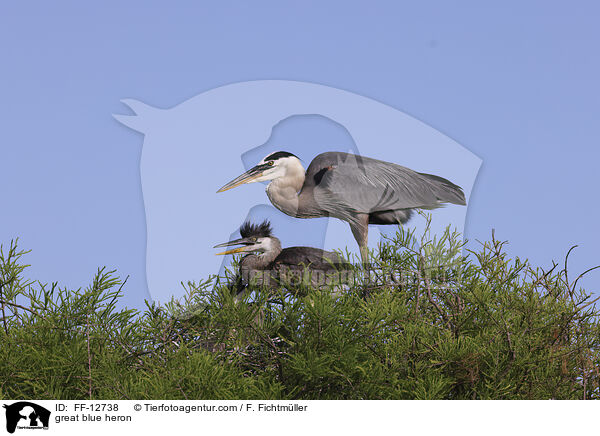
x=274, y=266
x=356, y=189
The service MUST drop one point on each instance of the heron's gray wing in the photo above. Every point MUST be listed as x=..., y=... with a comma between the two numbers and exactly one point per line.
x=299, y=257
x=360, y=184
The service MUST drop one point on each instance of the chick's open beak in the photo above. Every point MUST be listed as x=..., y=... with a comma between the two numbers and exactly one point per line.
x=248, y=177
x=247, y=246
x=235, y=250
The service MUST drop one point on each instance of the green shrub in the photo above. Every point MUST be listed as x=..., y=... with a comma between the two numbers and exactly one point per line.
x=449, y=326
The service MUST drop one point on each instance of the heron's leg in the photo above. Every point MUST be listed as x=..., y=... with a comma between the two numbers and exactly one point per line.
x=360, y=230
x=364, y=255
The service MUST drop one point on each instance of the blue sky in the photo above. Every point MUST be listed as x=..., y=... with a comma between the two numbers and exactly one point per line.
x=515, y=83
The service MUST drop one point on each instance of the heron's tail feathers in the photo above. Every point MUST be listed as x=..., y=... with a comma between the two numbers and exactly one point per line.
x=445, y=190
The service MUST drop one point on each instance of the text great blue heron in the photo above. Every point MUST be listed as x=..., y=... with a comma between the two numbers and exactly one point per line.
x=353, y=188
x=282, y=266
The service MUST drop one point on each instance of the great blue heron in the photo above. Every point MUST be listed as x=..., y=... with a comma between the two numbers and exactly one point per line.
x=356, y=189
x=276, y=266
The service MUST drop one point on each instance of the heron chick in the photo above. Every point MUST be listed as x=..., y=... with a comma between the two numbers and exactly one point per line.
x=356, y=189
x=269, y=265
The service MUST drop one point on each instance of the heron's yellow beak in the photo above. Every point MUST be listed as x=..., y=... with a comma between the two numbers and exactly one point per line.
x=235, y=250
x=248, y=177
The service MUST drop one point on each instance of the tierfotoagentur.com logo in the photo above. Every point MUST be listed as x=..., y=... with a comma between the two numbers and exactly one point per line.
x=26, y=415
x=439, y=277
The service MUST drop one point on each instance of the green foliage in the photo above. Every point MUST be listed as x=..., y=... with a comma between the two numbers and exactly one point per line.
x=425, y=322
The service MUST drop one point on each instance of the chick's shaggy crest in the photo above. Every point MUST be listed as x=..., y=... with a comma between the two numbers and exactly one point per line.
x=262, y=230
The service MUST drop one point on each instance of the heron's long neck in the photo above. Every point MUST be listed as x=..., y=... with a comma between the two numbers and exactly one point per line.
x=283, y=192
x=269, y=256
